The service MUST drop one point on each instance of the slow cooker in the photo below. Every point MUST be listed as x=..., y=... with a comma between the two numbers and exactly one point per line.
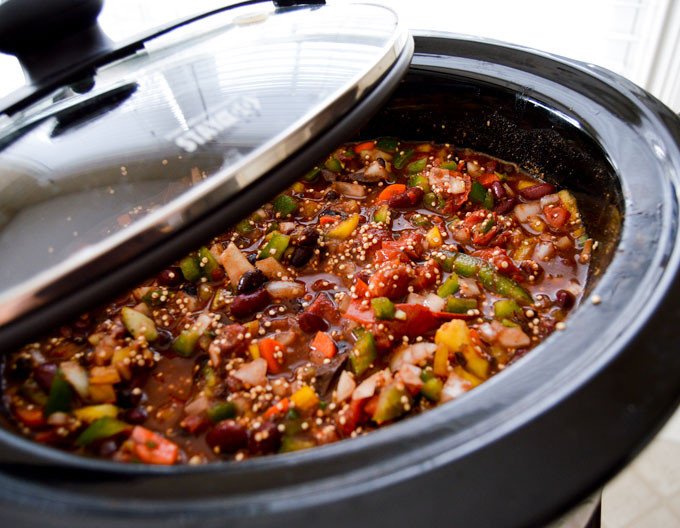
x=119, y=157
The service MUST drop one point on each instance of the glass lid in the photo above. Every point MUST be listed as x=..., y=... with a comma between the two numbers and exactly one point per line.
x=116, y=162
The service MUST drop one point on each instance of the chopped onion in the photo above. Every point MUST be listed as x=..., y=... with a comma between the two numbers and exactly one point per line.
x=410, y=375
x=414, y=298
x=286, y=227
x=434, y=302
x=346, y=386
x=549, y=199
x=412, y=354
x=351, y=190
x=367, y=388
x=473, y=169
x=286, y=338
x=272, y=268
x=524, y=210
x=544, y=251
x=488, y=332
x=234, y=263
x=254, y=373
x=513, y=338
x=285, y=289
x=564, y=243
x=77, y=377
x=197, y=406
x=454, y=387
x=468, y=287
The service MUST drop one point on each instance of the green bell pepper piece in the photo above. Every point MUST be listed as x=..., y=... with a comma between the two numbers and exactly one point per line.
x=419, y=180
x=290, y=444
x=139, y=324
x=420, y=220
x=190, y=268
x=459, y=305
x=487, y=224
x=390, y=403
x=221, y=411
x=387, y=144
x=312, y=174
x=208, y=262
x=103, y=427
x=61, y=394
x=381, y=214
x=275, y=247
x=505, y=308
x=285, y=205
x=449, y=286
x=432, y=389
x=364, y=353
x=334, y=165
x=416, y=166
x=401, y=159
x=449, y=165
x=383, y=308
x=433, y=201
x=477, y=192
x=185, y=343
x=244, y=227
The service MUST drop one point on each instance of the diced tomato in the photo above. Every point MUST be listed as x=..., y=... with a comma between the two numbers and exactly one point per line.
x=371, y=405
x=556, y=216
x=268, y=349
x=327, y=219
x=391, y=281
x=324, y=307
x=387, y=255
x=30, y=417
x=278, y=408
x=502, y=262
x=194, y=422
x=410, y=242
x=360, y=288
x=324, y=344
x=353, y=416
x=390, y=191
x=368, y=145
x=360, y=312
x=487, y=179
x=426, y=275
x=152, y=448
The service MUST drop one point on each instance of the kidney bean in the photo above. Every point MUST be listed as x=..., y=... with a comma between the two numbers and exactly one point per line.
x=506, y=206
x=136, y=416
x=169, y=277
x=408, y=198
x=537, y=191
x=228, y=435
x=498, y=191
x=44, y=375
x=301, y=255
x=21, y=368
x=250, y=281
x=249, y=303
x=311, y=322
x=265, y=439
x=564, y=299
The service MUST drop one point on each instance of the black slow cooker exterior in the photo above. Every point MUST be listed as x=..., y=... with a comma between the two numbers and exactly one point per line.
x=529, y=443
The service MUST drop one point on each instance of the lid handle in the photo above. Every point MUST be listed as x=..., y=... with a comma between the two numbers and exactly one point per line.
x=51, y=36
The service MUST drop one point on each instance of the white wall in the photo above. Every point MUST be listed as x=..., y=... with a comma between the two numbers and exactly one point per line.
x=635, y=38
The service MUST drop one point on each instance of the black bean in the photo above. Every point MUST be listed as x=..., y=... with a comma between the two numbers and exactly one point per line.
x=506, y=206
x=331, y=212
x=127, y=399
x=169, y=277
x=537, y=191
x=20, y=369
x=228, y=435
x=301, y=255
x=332, y=195
x=265, y=439
x=381, y=161
x=250, y=281
x=564, y=299
x=308, y=237
x=498, y=191
x=252, y=258
x=136, y=416
x=311, y=322
x=108, y=448
x=190, y=289
x=249, y=303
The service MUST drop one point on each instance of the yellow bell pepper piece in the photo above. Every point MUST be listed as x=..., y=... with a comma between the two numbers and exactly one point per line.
x=454, y=335
x=305, y=398
x=344, y=228
x=254, y=350
x=298, y=187
x=441, y=362
x=467, y=376
x=434, y=237
x=94, y=412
